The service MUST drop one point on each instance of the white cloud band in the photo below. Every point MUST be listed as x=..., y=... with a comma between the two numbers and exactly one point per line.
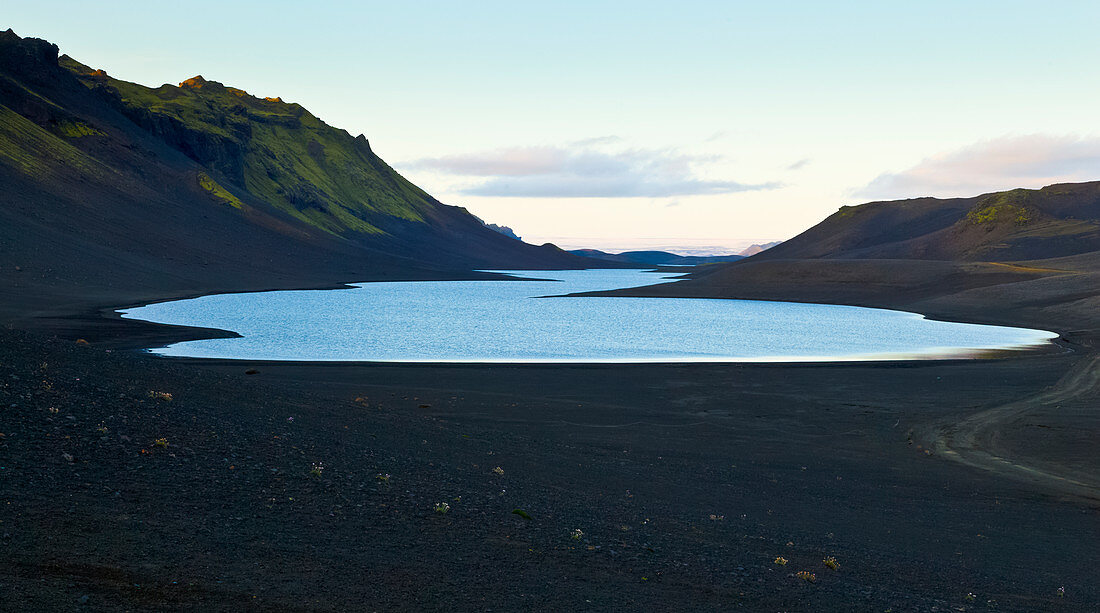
x=583, y=172
x=1003, y=163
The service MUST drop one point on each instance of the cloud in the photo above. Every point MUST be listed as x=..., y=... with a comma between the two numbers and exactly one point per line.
x=512, y=162
x=583, y=171
x=598, y=140
x=800, y=164
x=609, y=187
x=1003, y=163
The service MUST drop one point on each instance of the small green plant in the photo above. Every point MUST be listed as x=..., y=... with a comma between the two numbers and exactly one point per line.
x=442, y=508
x=807, y=576
x=576, y=534
x=498, y=471
x=161, y=442
x=522, y=513
x=316, y=469
x=218, y=192
x=970, y=597
x=76, y=129
x=383, y=478
x=165, y=396
x=1061, y=592
x=101, y=429
x=781, y=561
x=831, y=562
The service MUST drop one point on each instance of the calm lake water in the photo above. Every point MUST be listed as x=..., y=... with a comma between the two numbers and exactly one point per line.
x=513, y=321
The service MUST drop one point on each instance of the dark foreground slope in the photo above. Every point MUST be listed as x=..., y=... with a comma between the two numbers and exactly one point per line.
x=114, y=193
x=687, y=482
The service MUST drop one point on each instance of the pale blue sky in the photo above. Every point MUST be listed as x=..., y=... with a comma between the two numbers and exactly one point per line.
x=646, y=124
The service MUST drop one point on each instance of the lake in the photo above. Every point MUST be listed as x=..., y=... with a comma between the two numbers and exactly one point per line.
x=515, y=321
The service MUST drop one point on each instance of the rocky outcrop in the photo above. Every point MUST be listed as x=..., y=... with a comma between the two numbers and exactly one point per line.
x=505, y=230
x=224, y=154
x=32, y=58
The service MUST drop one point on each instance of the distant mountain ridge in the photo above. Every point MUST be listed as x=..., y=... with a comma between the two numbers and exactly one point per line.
x=505, y=230
x=654, y=258
x=667, y=258
x=752, y=250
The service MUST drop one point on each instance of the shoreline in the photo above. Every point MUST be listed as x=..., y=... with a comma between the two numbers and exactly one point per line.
x=1059, y=341
x=686, y=479
x=938, y=436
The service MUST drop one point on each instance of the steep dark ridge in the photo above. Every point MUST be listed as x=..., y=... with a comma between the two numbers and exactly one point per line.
x=105, y=203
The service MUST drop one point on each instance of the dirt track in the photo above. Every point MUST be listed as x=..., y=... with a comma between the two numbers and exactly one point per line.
x=974, y=440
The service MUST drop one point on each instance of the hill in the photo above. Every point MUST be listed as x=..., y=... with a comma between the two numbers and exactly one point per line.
x=666, y=258
x=757, y=248
x=654, y=258
x=1019, y=257
x=1020, y=224
x=114, y=192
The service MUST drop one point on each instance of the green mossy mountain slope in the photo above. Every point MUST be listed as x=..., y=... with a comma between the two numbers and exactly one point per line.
x=276, y=151
x=115, y=192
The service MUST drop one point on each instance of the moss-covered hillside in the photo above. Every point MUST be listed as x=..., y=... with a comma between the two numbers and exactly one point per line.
x=113, y=193
x=276, y=151
x=179, y=184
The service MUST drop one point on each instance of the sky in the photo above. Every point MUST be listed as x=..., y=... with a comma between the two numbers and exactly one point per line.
x=695, y=126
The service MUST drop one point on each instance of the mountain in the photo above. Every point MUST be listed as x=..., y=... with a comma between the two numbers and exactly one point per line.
x=1007, y=257
x=666, y=258
x=1020, y=224
x=505, y=230
x=757, y=248
x=116, y=191
x=654, y=258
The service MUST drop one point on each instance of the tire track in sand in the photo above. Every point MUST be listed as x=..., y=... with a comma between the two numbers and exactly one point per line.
x=973, y=440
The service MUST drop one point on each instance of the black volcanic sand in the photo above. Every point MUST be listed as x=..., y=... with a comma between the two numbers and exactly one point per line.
x=687, y=481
